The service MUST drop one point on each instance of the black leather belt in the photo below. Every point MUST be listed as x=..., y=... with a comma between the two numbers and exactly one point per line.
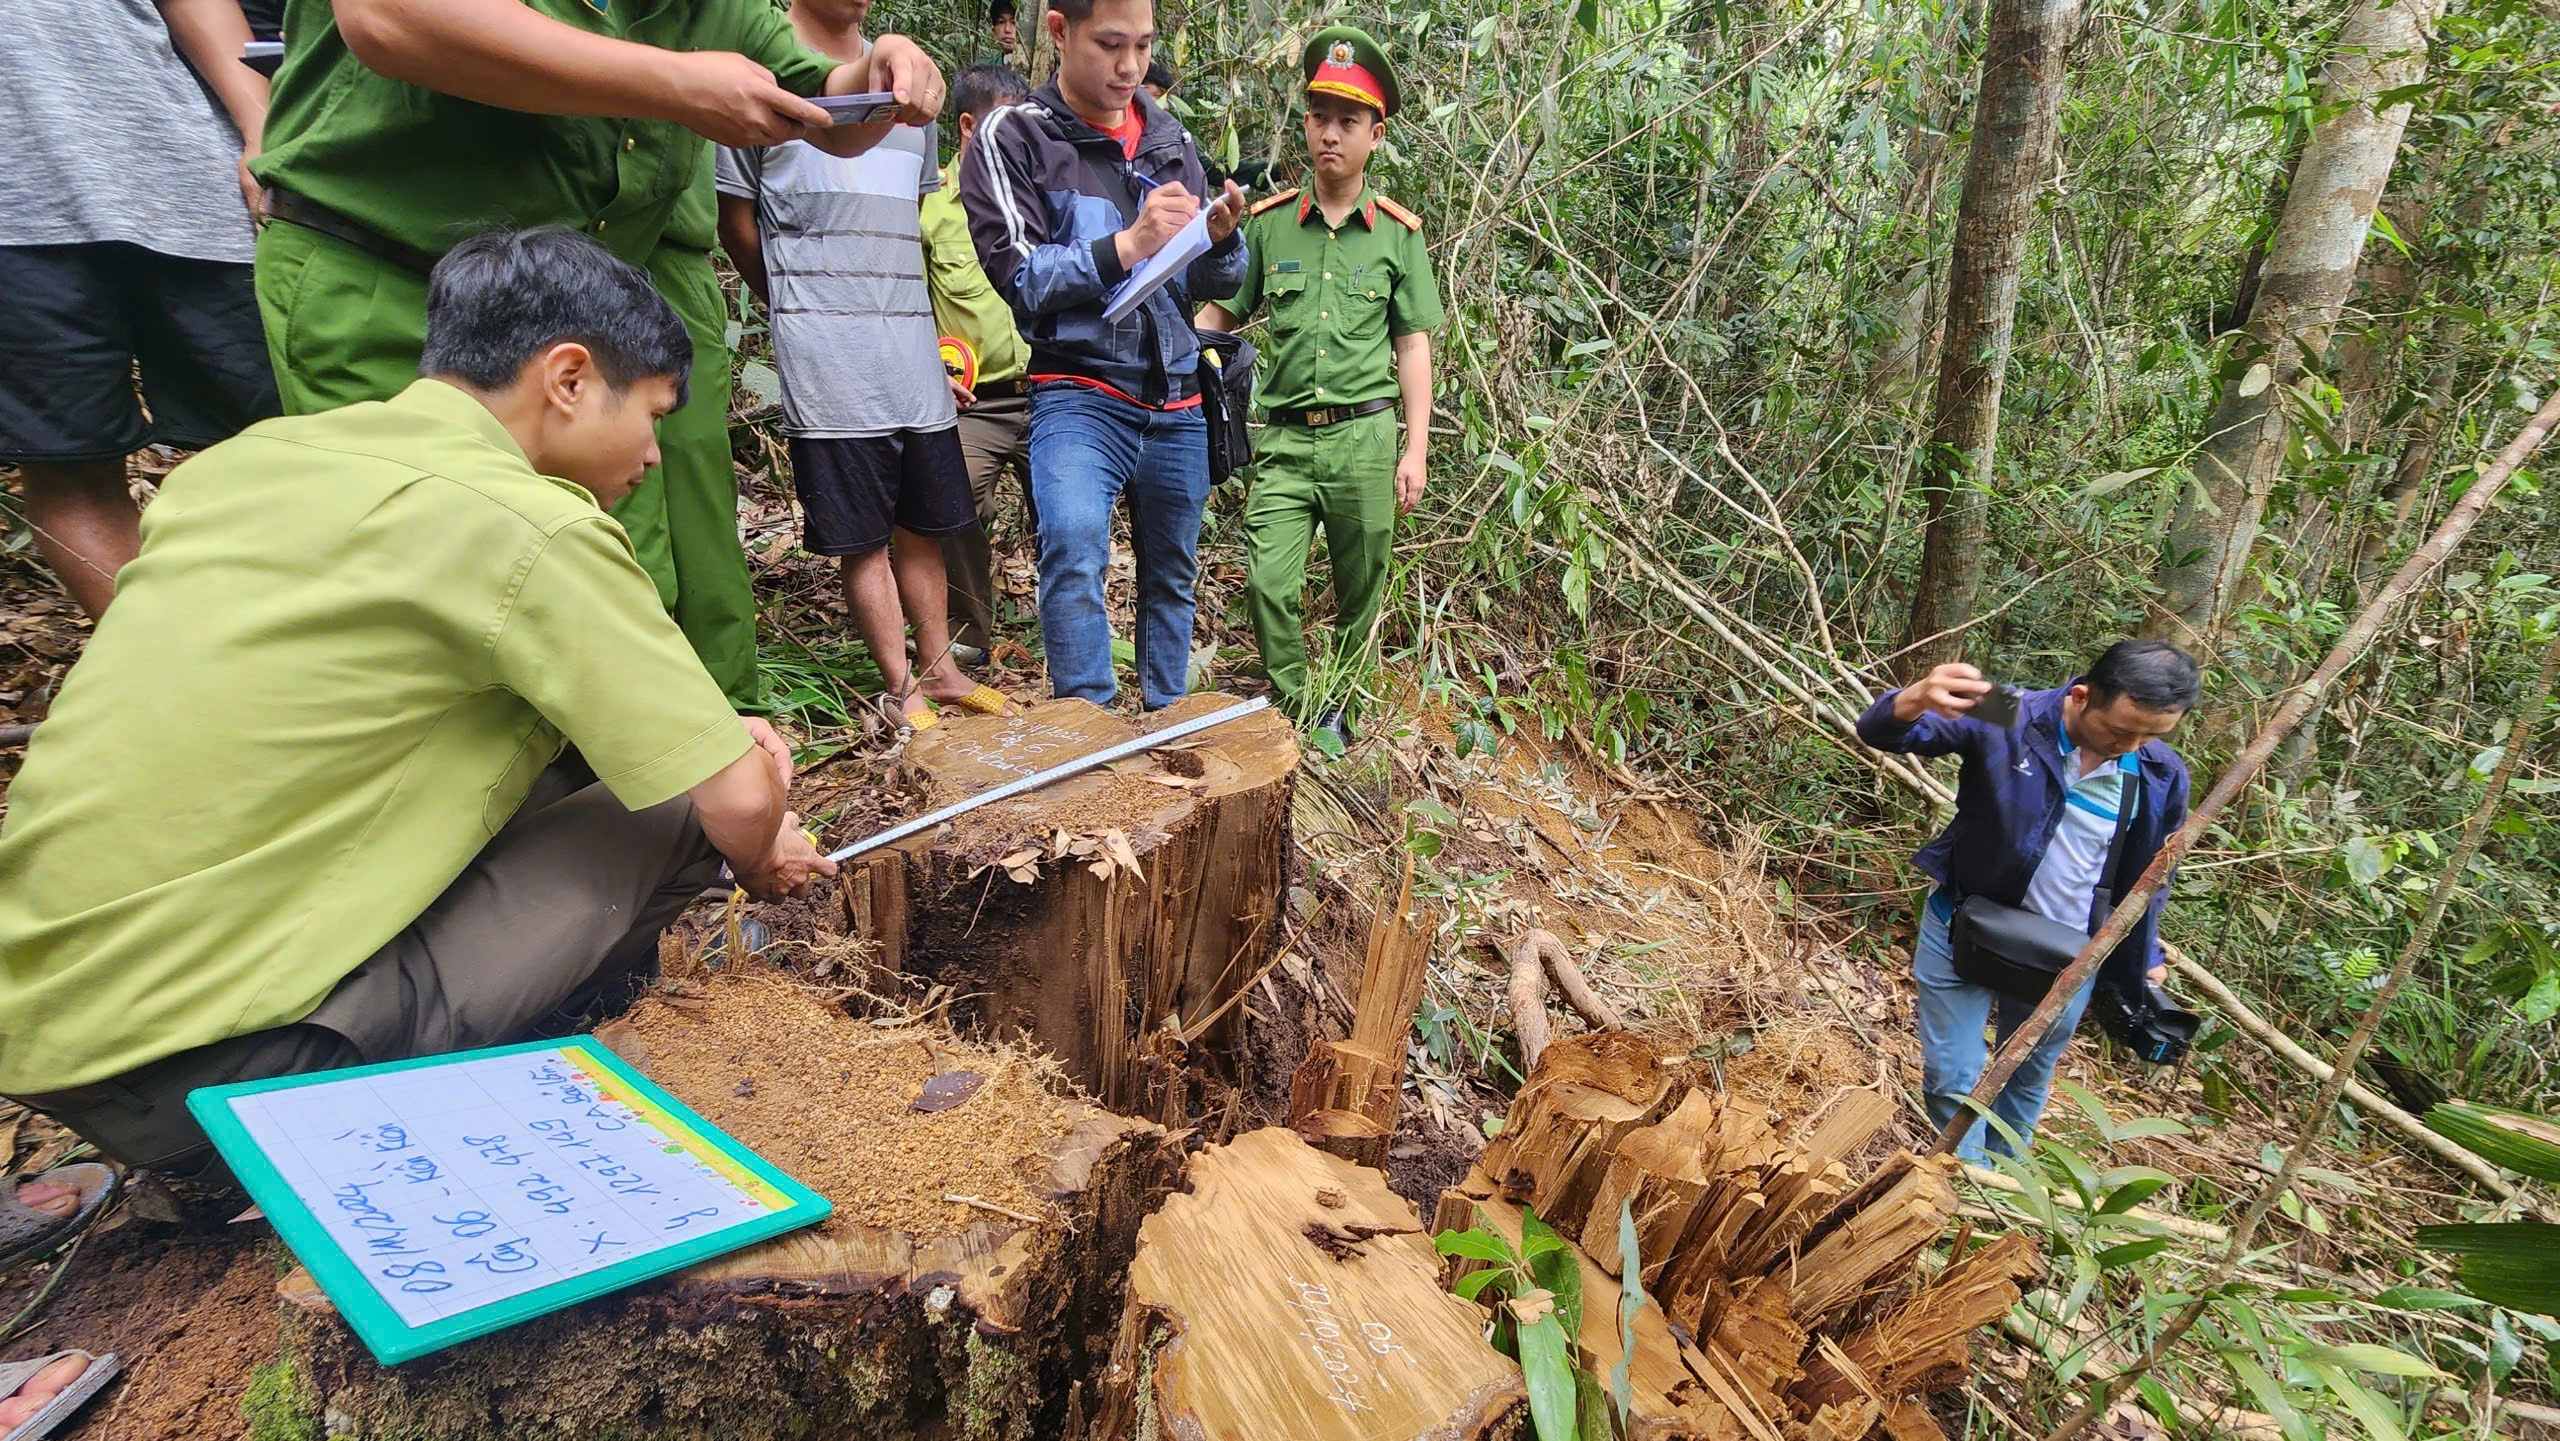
x=1000, y=389
x=1329, y=415
x=310, y=214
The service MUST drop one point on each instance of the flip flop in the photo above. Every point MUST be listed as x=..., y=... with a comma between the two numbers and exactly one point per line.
x=91, y=1380
x=920, y=722
x=26, y=1233
x=985, y=700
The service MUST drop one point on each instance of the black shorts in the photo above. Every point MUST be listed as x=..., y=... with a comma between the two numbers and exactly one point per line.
x=853, y=489
x=77, y=320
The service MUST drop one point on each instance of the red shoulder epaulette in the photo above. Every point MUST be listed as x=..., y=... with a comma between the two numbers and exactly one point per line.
x=1269, y=201
x=1404, y=217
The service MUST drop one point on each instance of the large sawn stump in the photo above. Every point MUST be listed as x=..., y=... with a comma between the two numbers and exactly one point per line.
x=1288, y=1293
x=906, y=1314
x=1114, y=918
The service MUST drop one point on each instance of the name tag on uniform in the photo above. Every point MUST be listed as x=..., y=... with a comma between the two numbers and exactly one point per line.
x=1284, y=267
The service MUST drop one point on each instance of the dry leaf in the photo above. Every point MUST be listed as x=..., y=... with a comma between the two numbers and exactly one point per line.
x=1169, y=779
x=1118, y=842
x=1528, y=1306
x=1058, y=844
x=1101, y=868
x=1022, y=865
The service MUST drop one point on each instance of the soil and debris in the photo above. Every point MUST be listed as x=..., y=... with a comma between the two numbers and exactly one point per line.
x=833, y=1101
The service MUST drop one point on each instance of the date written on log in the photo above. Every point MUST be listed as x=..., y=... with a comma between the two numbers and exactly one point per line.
x=1348, y=1351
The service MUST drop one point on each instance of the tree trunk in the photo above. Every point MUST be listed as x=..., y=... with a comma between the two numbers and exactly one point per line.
x=1128, y=976
x=2015, y=117
x=1285, y=1292
x=2311, y=265
x=951, y=1321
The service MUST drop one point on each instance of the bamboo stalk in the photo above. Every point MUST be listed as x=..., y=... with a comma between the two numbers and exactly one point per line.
x=2258, y=1028
x=2359, y=636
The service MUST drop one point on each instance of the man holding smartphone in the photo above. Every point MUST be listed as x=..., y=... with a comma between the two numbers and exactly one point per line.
x=2065, y=796
x=400, y=127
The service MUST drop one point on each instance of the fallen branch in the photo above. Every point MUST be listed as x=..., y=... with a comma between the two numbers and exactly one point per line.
x=2352, y=644
x=1528, y=993
x=2250, y=1023
x=983, y=1204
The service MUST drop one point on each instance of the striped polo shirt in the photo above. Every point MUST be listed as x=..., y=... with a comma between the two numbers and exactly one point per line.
x=2065, y=885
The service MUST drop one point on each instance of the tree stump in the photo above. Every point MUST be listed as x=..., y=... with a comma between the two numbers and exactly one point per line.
x=1114, y=918
x=1289, y=1293
x=903, y=1315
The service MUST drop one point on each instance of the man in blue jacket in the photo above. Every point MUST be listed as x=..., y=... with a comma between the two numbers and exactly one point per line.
x=2037, y=806
x=1068, y=193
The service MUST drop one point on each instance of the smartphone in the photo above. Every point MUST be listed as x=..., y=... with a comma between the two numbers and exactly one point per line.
x=263, y=56
x=1998, y=707
x=858, y=109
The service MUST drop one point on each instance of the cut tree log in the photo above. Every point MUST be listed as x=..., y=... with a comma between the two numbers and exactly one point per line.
x=1873, y=1236
x=1289, y=1293
x=1099, y=915
x=903, y=1315
x=1344, y=1097
x=1584, y=1097
x=1661, y=1172
x=1923, y=1343
x=1675, y=1390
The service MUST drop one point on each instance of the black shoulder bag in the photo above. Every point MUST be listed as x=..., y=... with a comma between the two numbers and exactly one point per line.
x=2017, y=952
x=1226, y=399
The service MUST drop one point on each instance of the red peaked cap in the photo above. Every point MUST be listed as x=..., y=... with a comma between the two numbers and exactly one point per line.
x=1342, y=60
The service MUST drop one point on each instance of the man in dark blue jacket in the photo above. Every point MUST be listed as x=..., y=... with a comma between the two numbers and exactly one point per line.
x=1068, y=193
x=2037, y=808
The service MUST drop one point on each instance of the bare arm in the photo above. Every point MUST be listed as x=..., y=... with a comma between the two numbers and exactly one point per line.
x=1213, y=316
x=745, y=243
x=742, y=810
x=210, y=33
x=501, y=52
x=1413, y=383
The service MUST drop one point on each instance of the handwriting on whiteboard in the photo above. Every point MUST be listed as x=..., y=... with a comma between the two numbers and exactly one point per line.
x=458, y=1186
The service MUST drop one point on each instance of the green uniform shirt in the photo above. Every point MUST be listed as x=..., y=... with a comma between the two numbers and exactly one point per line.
x=1338, y=299
x=428, y=169
x=964, y=304
x=350, y=643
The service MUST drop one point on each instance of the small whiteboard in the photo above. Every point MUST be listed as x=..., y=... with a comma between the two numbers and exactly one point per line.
x=440, y=1199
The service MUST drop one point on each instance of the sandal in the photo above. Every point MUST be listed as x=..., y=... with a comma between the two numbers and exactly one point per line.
x=920, y=722
x=985, y=700
x=52, y=1406
x=26, y=1233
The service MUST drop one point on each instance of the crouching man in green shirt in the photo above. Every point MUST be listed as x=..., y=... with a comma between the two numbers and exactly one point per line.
x=304, y=803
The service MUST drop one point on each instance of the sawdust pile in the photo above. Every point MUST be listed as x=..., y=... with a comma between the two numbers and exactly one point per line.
x=826, y=1098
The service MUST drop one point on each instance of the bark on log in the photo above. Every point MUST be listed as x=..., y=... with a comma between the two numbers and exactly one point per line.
x=846, y=1330
x=1101, y=966
x=1259, y=1308
x=1587, y=1093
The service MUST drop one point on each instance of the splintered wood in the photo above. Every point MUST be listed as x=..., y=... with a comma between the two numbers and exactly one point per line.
x=1289, y=1293
x=1343, y=1096
x=1780, y=1299
x=1114, y=918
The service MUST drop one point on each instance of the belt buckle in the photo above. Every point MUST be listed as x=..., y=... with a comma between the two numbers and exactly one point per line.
x=1322, y=417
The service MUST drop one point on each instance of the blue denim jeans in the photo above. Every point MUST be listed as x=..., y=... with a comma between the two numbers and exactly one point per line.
x=1088, y=450
x=1953, y=1012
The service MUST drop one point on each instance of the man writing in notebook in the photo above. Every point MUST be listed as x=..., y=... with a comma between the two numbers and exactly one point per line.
x=427, y=766
x=1069, y=193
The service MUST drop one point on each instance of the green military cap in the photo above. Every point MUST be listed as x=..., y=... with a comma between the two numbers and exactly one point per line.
x=1342, y=60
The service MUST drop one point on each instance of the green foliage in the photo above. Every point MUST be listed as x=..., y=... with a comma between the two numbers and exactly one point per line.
x=1535, y=1290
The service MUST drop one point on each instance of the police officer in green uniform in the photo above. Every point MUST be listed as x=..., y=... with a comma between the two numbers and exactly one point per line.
x=1352, y=305
x=398, y=127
